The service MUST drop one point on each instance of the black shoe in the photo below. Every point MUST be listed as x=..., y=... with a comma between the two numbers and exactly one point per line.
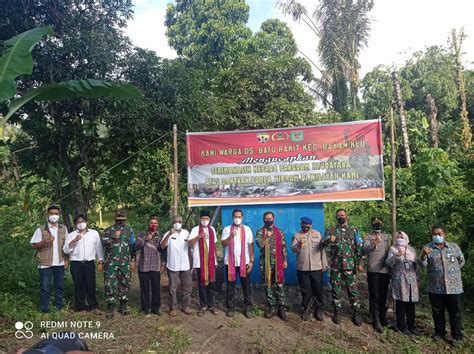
x=319, y=314
x=269, y=312
x=356, y=319
x=230, y=313
x=282, y=313
x=414, y=331
x=110, y=311
x=456, y=342
x=157, y=312
x=405, y=332
x=383, y=320
x=123, y=308
x=336, y=318
x=377, y=325
x=248, y=313
x=438, y=337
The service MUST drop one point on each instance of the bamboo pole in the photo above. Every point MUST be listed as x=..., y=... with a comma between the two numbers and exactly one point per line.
x=175, y=170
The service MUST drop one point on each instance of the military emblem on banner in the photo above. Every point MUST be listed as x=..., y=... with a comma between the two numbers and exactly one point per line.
x=280, y=136
x=297, y=136
x=263, y=137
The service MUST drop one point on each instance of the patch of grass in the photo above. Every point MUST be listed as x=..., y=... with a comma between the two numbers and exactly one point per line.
x=179, y=341
x=257, y=312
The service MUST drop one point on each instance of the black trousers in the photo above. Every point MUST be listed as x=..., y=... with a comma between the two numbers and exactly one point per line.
x=311, y=283
x=207, y=294
x=230, y=291
x=83, y=276
x=150, y=290
x=405, y=315
x=378, y=287
x=441, y=302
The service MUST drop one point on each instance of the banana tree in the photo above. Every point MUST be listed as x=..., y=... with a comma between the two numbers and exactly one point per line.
x=16, y=60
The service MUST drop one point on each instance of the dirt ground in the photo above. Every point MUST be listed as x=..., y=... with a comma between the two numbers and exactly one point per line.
x=137, y=333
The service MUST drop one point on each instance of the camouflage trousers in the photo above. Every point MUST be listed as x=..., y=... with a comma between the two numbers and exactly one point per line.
x=275, y=295
x=339, y=278
x=116, y=282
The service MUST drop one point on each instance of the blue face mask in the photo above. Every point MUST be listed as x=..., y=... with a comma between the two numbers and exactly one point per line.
x=438, y=239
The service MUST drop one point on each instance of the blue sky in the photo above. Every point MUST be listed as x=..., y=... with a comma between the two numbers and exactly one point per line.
x=399, y=28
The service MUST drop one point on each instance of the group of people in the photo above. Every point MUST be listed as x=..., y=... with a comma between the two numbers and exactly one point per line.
x=341, y=251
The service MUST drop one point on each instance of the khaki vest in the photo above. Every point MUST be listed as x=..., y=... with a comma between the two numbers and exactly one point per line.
x=44, y=255
x=313, y=256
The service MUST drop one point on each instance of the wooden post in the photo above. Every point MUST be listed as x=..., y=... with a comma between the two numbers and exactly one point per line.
x=394, y=180
x=175, y=170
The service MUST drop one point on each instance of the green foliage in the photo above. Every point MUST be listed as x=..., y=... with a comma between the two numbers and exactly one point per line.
x=16, y=59
x=74, y=89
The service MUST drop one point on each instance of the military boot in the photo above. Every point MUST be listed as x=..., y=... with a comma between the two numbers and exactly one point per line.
x=336, y=318
x=269, y=312
x=282, y=313
x=123, y=307
x=356, y=318
x=110, y=310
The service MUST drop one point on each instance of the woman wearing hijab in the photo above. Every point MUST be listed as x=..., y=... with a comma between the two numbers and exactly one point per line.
x=404, y=266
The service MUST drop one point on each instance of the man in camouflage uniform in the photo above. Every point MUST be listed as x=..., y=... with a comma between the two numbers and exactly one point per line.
x=345, y=259
x=272, y=273
x=119, y=260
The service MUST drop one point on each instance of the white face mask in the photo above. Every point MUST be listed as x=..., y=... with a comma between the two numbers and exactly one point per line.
x=204, y=223
x=237, y=221
x=401, y=242
x=81, y=226
x=53, y=218
x=177, y=226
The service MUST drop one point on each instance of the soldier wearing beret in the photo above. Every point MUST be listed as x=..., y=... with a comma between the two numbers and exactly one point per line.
x=311, y=262
x=119, y=252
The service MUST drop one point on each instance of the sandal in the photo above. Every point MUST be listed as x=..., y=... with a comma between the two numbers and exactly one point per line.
x=214, y=311
x=201, y=312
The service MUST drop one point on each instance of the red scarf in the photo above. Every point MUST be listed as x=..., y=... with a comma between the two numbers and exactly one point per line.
x=279, y=255
x=207, y=258
x=231, y=257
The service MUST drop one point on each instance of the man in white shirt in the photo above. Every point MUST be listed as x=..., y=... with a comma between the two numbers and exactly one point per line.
x=175, y=241
x=83, y=246
x=48, y=240
x=202, y=240
x=237, y=240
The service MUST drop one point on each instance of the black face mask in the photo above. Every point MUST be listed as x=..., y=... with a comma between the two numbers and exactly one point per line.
x=305, y=228
x=377, y=227
x=120, y=222
x=341, y=220
x=268, y=223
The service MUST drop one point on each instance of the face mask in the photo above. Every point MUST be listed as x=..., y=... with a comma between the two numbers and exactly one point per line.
x=53, y=218
x=401, y=242
x=204, y=223
x=377, y=227
x=177, y=226
x=268, y=223
x=305, y=228
x=438, y=239
x=237, y=221
x=152, y=228
x=120, y=222
x=341, y=220
x=81, y=226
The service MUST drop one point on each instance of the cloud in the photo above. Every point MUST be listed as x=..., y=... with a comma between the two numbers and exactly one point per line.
x=147, y=28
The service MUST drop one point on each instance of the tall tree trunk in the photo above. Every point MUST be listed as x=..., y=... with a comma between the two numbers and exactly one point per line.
x=466, y=134
x=432, y=115
x=403, y=122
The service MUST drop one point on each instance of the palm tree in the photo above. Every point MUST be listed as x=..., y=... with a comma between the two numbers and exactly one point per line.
x=342, y=27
